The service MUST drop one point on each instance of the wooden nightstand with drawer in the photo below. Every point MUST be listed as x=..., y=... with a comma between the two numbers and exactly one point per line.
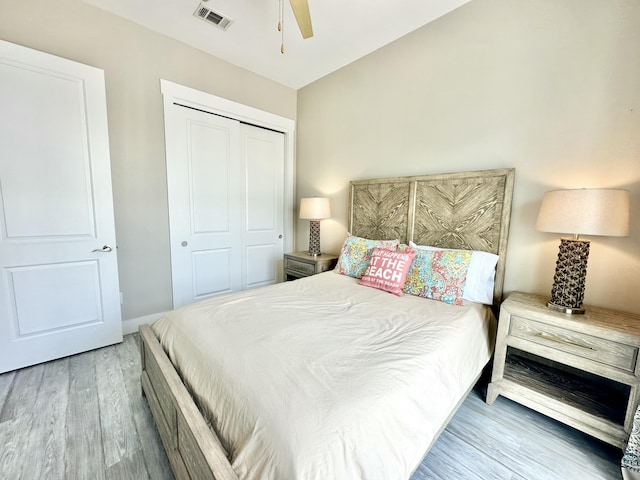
x=582, y=370
x=301, y=264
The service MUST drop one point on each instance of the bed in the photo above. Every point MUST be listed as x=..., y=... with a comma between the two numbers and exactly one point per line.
x=324, y=377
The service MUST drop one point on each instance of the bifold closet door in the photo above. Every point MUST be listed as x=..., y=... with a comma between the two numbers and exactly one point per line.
x=225, y=182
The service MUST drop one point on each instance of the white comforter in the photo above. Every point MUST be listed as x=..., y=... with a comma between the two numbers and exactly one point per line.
x=323, y=378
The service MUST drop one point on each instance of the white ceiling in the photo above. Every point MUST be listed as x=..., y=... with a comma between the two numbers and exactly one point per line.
x=344, y=30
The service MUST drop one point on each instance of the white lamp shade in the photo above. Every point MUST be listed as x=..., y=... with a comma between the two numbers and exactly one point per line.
x=314, y=208
x=585, y=212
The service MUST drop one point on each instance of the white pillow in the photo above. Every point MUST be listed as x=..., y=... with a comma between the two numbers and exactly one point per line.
x=480, y=276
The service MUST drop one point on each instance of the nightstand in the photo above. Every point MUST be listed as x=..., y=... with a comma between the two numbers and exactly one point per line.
x=301, y=264
x=582, y=370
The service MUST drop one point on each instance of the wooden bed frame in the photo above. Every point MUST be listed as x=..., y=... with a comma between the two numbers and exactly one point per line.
x=469, y=210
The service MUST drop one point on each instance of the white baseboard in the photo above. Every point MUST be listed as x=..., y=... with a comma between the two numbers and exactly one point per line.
x=132, y=325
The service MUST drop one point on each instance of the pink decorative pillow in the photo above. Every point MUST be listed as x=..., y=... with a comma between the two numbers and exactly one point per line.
x=388, y=269
x=439, y=274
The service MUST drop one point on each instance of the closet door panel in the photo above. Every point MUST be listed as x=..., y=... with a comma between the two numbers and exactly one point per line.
x=205, y=204
x=262, y=152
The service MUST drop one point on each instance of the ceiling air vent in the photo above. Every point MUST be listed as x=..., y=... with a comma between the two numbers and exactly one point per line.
x=210, y=16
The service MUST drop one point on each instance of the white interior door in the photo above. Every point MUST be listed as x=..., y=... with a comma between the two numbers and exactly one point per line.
x=59, y=291
x=226, y=204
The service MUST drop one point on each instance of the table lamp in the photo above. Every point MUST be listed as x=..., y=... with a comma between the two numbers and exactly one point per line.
x=579, y=212
x=314, y=209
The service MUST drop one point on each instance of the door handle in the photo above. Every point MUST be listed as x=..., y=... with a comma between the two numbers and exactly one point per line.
x=105, y=248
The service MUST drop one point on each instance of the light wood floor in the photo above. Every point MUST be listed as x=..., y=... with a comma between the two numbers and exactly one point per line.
x=83, y=417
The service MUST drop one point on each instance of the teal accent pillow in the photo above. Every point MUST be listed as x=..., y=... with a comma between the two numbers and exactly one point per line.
x=356, y=254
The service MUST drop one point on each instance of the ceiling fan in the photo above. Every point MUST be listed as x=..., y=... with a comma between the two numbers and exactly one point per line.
x=300, y=10
x=303, y=17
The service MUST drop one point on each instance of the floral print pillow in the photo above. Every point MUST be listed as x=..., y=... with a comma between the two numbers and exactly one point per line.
x=439, y=274
x=356, y=254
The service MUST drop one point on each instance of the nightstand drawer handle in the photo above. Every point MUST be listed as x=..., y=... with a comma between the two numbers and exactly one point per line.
x=553, y=338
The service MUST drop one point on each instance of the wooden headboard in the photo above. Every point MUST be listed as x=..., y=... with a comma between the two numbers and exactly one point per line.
x=468, y=210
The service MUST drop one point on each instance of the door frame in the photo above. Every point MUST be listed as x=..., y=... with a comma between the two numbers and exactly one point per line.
x=207, y=102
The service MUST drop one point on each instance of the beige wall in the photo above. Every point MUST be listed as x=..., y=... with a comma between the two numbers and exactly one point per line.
x=550, y=88
x=134, y=59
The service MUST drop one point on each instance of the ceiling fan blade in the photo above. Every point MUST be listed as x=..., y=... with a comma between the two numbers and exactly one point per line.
x=303, y=17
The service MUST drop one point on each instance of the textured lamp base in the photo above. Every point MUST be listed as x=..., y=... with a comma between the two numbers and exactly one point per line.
x=567, y=292
x=314, y=238
x=563, y=309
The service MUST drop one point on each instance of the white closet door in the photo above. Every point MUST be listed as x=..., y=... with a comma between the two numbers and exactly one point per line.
x=59, y=291
x=205, y=204
x=262, y=160
x=225, y=185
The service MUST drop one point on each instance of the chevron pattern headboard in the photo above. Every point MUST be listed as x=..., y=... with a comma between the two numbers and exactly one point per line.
x=468, y=210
